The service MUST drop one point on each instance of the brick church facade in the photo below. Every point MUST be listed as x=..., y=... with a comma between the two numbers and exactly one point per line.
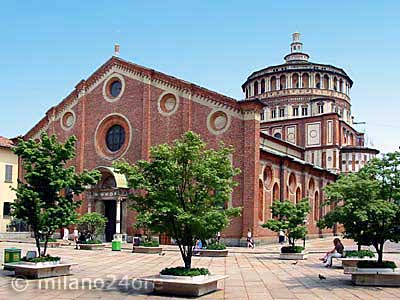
x=123, y=109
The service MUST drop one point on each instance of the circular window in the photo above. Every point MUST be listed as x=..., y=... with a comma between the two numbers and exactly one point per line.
x=68, y=120
x=115, y=138
x=115, y=88
x=167, y=104
x=218, y=122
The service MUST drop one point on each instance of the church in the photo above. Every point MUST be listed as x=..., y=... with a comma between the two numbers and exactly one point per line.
x=292, y=132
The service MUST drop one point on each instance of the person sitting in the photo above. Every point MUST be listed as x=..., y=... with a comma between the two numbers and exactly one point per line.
x=337, y=252
x=197, y=247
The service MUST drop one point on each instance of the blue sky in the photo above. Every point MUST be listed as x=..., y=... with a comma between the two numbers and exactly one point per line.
x=47, y=47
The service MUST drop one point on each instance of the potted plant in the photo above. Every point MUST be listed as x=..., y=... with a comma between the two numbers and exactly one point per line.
x=45, y=199
x=289, y=218
x=183, y=190
x=367, y=203
x=148, y=245
x=91, y=225
x=351, y=258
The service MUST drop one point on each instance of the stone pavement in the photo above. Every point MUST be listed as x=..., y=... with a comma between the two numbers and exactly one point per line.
x=254, y=274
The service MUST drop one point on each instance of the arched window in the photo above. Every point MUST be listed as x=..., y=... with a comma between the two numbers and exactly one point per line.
x=326, y=82
x=335, y=84
x=260, y=201
x=341, y=85
x=247, y=93
x=255, y=88
x=306, y=79
x=278, y=135
x=316, y=206
x=292, y=182
x=273, y=83
x=295, y=81
x=282, y=82
x=298, y=195
x=311, y=185
x=318, y=81
x=275, y=192
x=262, y=86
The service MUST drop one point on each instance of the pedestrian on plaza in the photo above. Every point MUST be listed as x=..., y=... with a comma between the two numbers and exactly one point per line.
x=218, y=237
x=250, y=241
x=281, y=237
x=336, y=252
x=65, y=235
x=76, y=235
x=197, y=247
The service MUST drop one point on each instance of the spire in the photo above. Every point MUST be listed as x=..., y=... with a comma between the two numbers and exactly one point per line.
x=116, y=49
x=296, y=50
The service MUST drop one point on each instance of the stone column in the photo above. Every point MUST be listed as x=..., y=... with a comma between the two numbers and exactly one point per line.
x=118, y=217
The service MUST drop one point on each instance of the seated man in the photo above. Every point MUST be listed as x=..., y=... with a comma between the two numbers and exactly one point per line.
x=199, y=245
x=337, y=252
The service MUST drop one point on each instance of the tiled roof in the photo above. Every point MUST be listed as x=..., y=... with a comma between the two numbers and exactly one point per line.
x=5, y=142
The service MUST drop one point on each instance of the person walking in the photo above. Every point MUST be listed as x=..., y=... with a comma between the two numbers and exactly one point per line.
x=336, y=252
x=250, y=242
x=66, y=235
x=281, y=237
x=218, y=237
x=76, y=235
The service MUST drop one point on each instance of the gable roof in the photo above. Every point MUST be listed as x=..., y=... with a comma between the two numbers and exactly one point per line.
x=5, y=142
x=98, y=75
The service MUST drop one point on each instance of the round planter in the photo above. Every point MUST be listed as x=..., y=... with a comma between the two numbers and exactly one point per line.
x=212, y=253
x=51, y=244
x=44, y=263
x=293, y=256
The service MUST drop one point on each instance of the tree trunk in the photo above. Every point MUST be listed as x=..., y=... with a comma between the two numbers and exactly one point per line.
x=188, y=258
x=37, y=240
x=45, y=245
x=358, y=247
x=380, y=253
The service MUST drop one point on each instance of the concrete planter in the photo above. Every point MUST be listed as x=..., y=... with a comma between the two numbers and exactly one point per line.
x=148, y=250
x=91, y=246
x=51, y=244
x=293, y=256
x=349, y=264
x=184, y=285
x=212, y=253
x=376, y=270
x=376, y=279
x=42, y=270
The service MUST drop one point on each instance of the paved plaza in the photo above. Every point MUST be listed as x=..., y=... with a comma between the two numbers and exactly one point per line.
x=253, y=274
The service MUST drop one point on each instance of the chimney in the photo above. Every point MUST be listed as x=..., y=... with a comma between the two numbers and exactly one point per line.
x=116, y=49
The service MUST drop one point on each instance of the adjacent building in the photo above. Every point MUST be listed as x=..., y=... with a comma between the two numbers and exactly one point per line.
x=292, y=134
x=8, y=179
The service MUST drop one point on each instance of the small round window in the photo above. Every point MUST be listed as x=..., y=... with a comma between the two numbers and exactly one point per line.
x=115, y=88
x=115, y=138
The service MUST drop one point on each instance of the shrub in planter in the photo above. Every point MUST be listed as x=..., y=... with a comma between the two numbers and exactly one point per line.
x=376, y=265
x=181, y=271
x=292, y=249
x=92, y=225
x=149, y=244
x=91, y=242
x=46, y=258
x=359, y=254
x=216, y=246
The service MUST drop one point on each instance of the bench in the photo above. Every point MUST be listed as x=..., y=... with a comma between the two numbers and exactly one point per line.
x=349, y=264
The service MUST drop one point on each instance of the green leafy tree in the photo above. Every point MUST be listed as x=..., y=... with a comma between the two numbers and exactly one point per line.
x=92, y=224
x=367, y=203
x=45, y=197
x=183, y=189
x=289, y=218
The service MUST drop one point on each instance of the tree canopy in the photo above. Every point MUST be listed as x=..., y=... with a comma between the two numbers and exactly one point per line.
x=45, y=198
x=367, y=203
x=183, y=190
x=290, y=218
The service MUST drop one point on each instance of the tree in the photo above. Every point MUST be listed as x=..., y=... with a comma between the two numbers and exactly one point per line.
x=45, y=199
x=92, y=224
x=290, y=218
x=367, y=203
x=183, y=190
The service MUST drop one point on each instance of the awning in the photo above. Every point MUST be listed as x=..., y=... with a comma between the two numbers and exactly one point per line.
x=120, y=179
